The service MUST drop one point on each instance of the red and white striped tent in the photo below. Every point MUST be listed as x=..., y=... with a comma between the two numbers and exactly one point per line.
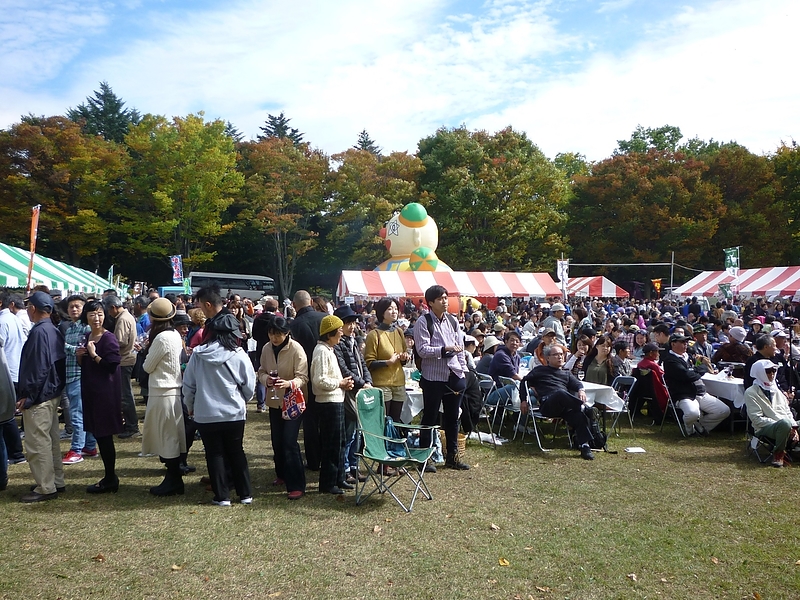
x=769, y=281
x=597, y=286
x=476, y=284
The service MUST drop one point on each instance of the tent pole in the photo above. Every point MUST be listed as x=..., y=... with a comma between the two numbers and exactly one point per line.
x=672, y=273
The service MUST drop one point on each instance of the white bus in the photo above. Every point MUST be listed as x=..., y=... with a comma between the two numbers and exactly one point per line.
x=247, y=286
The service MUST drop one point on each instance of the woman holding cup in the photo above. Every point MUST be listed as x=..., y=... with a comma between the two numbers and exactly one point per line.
x=283, y=363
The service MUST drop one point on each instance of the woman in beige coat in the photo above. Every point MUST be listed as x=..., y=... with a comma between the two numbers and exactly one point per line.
x=286, y=360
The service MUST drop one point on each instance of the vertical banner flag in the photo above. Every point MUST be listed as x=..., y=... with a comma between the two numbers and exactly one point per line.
x=657, y=285
x=177, y=268
x=562, y=272
x=187, y=286
x=725, y=290
x=34, y=235
x=732, y=261
x=111, y=276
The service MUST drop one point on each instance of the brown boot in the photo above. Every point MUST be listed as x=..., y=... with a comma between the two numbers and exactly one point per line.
x=777, y=459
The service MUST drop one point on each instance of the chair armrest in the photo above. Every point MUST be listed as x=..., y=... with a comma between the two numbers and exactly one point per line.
x=382, y=437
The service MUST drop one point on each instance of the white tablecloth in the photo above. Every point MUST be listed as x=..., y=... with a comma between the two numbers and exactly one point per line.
x=730, y=389
x=602, y=394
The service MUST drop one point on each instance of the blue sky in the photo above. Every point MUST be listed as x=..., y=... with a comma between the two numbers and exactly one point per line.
x=575, y=75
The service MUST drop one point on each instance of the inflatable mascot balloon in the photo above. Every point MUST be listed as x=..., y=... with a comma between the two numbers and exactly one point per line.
x=411, y=237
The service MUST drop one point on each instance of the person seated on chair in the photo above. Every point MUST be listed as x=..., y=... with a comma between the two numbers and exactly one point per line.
x=735, y=350
x=621, y=360
x=505, y=363
x=768, y=410
x=490, y=346
x=561, y=395
x=649, y=364
x=702, y=350
x=765, y=350
x=702, y=412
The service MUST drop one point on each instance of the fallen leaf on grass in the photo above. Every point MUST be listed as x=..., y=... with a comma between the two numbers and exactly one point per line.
x=797, y=563
x=715, y=560
x=176, y=567
x=99, y=558
x=350, y=574
x=503, y=562
x=492, y=581
x=632, y=576
x=377, y=529
x=206, y=578
x=494, y=527
x=388, y=520
x=274, y=594
x=756, y=596
x=664, y=580
x=543, y=588
x=528, y=547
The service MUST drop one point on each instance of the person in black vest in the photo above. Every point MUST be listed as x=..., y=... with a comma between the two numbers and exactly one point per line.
x=305, y=330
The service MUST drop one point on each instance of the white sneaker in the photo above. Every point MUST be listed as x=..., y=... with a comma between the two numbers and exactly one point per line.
x=248, y=500
x=221, y=502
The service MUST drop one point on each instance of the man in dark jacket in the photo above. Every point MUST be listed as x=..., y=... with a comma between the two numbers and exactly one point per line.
x=702, y=412
x=261, y=325
x=561, y=395
x=305, y=331
x=42, y=376
x=352, y=364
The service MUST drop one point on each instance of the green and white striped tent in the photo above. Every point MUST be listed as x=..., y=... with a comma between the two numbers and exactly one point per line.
x=54, y=274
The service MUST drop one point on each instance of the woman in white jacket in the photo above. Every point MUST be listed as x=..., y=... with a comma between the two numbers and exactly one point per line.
x=218, y=382
x=164, y=430
x=768, y=410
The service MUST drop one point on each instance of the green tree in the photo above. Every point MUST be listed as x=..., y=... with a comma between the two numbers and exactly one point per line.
x=105, y=115
x=665, y=139
x=367, y=143
x=365, y=191
x=755, y=216
x=76, y=178
x=786, y=162
x=278, y=127
x=185, y=173
x=233, y=133
x=285, y=190
x=498, y=202
x=639, y=207
x=572, y=164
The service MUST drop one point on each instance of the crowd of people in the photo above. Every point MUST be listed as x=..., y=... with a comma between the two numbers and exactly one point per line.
x=199, y=360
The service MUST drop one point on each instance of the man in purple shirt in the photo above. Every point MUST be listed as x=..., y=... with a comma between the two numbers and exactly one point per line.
x=440, y=344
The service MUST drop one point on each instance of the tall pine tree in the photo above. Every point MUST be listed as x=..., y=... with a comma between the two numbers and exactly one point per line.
x=105, y=115
x=278, y=127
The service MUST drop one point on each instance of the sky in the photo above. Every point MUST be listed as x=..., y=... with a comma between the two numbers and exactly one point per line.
x=574, y=75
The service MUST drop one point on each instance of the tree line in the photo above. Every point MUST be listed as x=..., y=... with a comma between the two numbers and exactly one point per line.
x=118, y=187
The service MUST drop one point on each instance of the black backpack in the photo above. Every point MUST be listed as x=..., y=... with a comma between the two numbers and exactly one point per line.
x=599, y=439
x=429, y=320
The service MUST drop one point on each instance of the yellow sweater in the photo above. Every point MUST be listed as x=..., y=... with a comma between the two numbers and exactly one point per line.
x=380, y=346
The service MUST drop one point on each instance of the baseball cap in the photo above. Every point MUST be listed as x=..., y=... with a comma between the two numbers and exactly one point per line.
x=41, y=301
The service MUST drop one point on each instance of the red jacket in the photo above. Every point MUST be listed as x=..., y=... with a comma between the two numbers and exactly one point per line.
x=659, y=387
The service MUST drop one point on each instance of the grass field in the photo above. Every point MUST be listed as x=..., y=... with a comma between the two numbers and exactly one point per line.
x=689, y=519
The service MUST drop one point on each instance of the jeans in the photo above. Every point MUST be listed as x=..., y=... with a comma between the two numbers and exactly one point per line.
x=223, y=442
x=351, y=445
x=128, y=404
x=501, y=396
x=13, y=441
x=286, y=450
x=80, y=438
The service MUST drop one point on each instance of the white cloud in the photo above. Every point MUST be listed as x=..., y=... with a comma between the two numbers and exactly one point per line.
x=726, y=72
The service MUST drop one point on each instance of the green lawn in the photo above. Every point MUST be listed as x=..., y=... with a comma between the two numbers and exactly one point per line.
x=688, y=519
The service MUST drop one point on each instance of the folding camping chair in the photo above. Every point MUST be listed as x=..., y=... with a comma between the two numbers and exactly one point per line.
x=760, y=446
x=623, y=386
x=487, y=386
x=534, y=413
x=510, y=406
x=409, y=461
x=645, y=390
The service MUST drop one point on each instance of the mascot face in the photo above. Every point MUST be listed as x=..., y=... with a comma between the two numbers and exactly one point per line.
x=409, y=230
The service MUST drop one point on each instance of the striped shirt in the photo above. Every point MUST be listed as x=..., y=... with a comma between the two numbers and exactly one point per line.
x=430, y=346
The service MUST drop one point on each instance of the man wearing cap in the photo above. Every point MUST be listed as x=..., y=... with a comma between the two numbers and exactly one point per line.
x=12, y=337
x=735, y=350
x=125, y=331
x=42, y=375
x=702, y=350
x=702, y=412
x=553, y=322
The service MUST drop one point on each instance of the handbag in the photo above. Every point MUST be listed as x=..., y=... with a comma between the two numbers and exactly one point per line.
x=294, y=403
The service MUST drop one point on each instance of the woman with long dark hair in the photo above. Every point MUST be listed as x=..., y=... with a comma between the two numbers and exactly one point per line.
x=164, y=429
x=218, y=381
x=597, y=366
x=101, y=392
